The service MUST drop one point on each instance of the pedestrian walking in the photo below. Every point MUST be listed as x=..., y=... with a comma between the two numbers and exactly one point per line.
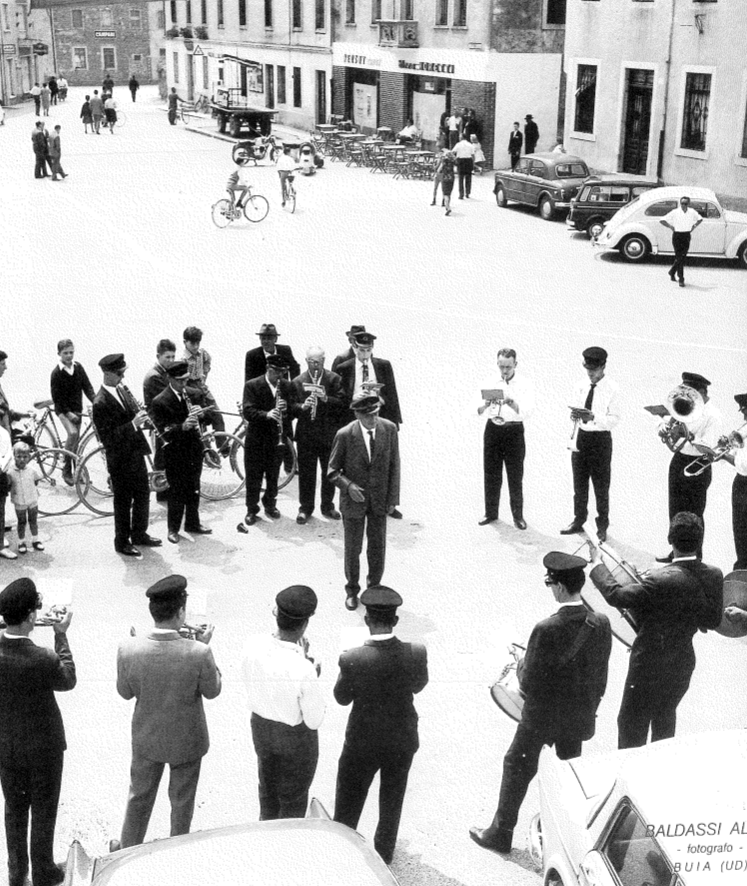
x=62, y=85
x=86, y=115
x=173, y=100
x=437, y=179
x=32, y=734
x=531, y=134
x=40, y=148
x=681, y=221
x=107, y=84
x=465, y=158
x=35, y=93
x=54, y=89
x=515, y=141
x=110, y=109
x=46, y=98
x=454, y=124
x=55, y=154
x=97, y=111
x=134, y=86
x=479, y=158
x=445, y=169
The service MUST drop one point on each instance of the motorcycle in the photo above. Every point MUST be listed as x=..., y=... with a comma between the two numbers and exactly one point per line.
x=257, y=149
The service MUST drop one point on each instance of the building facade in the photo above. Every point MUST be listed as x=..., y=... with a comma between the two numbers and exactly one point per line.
x=659, y=88
x=25, y=43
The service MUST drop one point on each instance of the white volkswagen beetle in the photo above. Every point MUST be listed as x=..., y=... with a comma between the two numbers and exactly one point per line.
x=635, y=230
x=673, y=813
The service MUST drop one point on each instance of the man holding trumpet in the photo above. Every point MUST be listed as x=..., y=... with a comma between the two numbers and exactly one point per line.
x=178, y=421
x=738, y=457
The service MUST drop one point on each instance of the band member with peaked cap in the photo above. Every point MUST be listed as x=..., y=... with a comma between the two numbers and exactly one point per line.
x=32, y=735
x=286, y=703
x=367, y=368
x=349, y=353
x=319, y=418
x=503, y=439
x=669, y=605
x=182, y=452
x=118, y=422
x=380, y=678
x=689, y=493
x=563, y=677
x=597, y=410
x=168, y=676
x=255, y=362
x=266, y=401
x=364, y=465
x=738, y=458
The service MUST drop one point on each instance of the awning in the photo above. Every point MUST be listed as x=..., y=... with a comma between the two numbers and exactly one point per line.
x=58, y=4
x=239, y=60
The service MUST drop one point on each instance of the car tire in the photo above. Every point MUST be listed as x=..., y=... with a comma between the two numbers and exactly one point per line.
x=742, y=256
x=546, y=208
x=594, y=228
x=635, y=248
x=500, y=197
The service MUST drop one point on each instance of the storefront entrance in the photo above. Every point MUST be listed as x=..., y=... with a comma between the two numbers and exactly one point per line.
x=429, y=100
x=637, y=122
x=365, y=106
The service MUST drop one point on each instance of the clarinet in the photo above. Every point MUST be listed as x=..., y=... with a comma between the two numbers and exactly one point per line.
x=129, y=398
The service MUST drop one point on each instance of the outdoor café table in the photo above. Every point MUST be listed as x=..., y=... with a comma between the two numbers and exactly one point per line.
x=326, y=127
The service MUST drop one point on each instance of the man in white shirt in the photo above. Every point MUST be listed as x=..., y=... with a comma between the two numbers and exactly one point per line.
x=465, y=157
x=503, y=440
x=286, y=706
x=681, y=222
x=595, y=412
x=408, y=133
x=455, y=124
x=286, y=166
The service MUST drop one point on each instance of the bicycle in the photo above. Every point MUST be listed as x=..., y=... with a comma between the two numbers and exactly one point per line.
x=48, y=434
x=289, y=458
x=289, y=193
x=121, y=119
x=253, y=206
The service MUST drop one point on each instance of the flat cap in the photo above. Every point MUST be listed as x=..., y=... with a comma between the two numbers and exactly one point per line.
x=112, y=362
x=297, y=601
x=18, y=597
x=693, y=380
x=594, y=357
x=381, y=599
x=178, y=369
x=170, y=588
x=364, y=338
x=268, y=329
x=741, y=400
x=558, y=563
x=277, y=361
x=365, y=403
x=354, y=330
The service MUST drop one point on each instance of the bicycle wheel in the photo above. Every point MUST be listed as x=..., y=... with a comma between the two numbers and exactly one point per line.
x=256, y=208
x=88, y=441
x=222, y=213
x=46, y=437
x=121, y=118
x=93, y=485
x=56, y=494
x=220, y=477
x=290, y=199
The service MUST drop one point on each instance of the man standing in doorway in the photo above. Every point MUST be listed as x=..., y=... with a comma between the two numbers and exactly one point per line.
x=531, y=134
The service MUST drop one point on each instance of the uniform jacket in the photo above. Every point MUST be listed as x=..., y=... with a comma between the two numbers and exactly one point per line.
x=30, y=721
x=563, y=696
x=380, y=679
x=329, y=416
x=515, y=141
x=255, y=362
x=168, y=413
x=169, y=676
x=258, y=401
x=670, y=605
x=379, y=478
x=125, y=446
x=384, y=375
x=67, y=390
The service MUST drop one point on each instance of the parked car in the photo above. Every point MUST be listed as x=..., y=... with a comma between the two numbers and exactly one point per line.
x=599, y=199
x=547, y=181
x=668, y=814
x=312, y=851
x=635, y=230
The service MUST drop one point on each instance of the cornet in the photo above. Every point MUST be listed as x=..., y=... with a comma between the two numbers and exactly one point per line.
x=725, y=446
x=572, y=445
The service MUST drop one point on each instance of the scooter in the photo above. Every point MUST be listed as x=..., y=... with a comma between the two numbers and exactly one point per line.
x=257, y=149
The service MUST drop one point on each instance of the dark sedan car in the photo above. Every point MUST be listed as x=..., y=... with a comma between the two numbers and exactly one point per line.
x=547, y=181
x=600, y=198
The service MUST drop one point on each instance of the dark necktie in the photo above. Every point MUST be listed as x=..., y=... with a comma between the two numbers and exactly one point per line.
x=365, y=373
x=590, y=396
x=372, y=444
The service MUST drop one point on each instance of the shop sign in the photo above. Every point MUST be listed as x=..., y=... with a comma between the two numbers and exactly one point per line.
x=351, y=59
x=9, y=48
x=40, y=49
x=106, y=35
x=430, y=67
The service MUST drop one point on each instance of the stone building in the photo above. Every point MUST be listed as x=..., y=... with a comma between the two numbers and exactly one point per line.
x=24, y=47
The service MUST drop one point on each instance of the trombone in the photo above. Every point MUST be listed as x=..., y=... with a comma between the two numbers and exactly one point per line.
x=726, y=446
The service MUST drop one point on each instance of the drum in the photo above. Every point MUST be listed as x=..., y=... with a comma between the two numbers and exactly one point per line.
x=506, y=692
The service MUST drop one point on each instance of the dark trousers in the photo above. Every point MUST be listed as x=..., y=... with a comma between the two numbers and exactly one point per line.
x=652, y=705
x=514, y=160
x=37, y=104
x=739, y=519
x=183, y=495
x=593, y=461
x=40, y=166
x=286, y=763
x=355, y=773
x=262, y=459
x=687, y=493
x=453, y=138
x=520, y=766
x=464, y=168
x=375, y=529
x=35, y=789
x=145, y=776
x=131, y=494
x=680, y=244
x=503, y=445
x=172, y=116
x=309, y=453
x=56, y=167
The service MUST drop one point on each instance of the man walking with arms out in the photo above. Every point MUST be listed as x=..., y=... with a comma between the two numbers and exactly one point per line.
x=681, y=221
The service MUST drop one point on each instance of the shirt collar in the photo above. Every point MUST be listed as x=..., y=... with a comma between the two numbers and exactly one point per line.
x=379, y=638
x=68, y=369
x=570, y=603
x=685, y=558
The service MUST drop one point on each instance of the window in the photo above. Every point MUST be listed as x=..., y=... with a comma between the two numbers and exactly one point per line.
x=173, y=12
x=80, y=58
x=350, y=12
x=108, y=58
x=460, y=13
x=189, y=12
x=554, y=12
x=176, y=67
x=296, y=87
x=106, y=17
x=203, y=11
x=242, y=13
x=406, y=8
x=136, y=22
x=297, y=14
x=606, y=194
x=205, y=73
x=281, y=85
x=375, y=10
x=319, y=15
x=660, y=209
x=586, y=94
x=137, y=59
x=6, y=18
x=268, y=13
x=221, y=18
x=160, y=19
x=634, y=856
x=442, y=12
x=570, y=170
x=76, y=16
x=695, y=114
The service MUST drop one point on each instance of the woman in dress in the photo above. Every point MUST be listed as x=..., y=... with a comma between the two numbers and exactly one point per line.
x=46, y=99
x=445, y=169
x=86, y=115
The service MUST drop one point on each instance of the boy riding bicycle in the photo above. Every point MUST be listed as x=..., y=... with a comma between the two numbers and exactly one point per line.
x=286, y=167
x=239, y=179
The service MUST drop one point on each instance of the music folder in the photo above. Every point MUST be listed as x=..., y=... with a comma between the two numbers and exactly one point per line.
x=311, y=388
x=492, y=393
x=658, y=410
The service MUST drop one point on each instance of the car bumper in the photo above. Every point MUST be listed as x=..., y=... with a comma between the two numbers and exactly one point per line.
x=572, y=224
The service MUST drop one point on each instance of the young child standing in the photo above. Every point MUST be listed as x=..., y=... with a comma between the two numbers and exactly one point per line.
x=23, y=478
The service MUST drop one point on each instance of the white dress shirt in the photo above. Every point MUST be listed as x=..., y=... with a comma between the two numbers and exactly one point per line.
x=359, y=375
x=605, y=404
x=464, y=150
x=683, y=222
x=366, y=438
x=707, y=430
x=281, y=683
x=114, y=391
x=740, y=461
x=518, y=388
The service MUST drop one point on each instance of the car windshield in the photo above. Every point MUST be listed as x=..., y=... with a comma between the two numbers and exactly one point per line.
x=571, y=170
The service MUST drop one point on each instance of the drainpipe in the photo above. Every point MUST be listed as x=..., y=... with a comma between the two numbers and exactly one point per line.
x=667, y=73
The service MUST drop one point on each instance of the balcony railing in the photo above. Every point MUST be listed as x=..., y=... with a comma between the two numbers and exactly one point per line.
x=402, y=34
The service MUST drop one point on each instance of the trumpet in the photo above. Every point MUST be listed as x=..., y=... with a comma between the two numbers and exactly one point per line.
x=726, y=446
x=193, y=632
x=686, y=407
x=572, y=445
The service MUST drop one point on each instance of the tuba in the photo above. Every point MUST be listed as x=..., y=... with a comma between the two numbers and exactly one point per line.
x=686, y=407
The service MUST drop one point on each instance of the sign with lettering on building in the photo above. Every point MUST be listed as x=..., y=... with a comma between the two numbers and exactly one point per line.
x=106, y=35
x=431, y=67
x=9, y=48
x=40, y=49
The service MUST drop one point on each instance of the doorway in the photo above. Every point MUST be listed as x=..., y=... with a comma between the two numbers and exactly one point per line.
x=637, y=124
x=321, y=96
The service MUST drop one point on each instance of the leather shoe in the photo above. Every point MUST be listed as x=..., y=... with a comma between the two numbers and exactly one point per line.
x=148, y=541
x=302, y=518
x=173, y=537
x=351, y=602
x=395, y=514
x=129, y=551
x=273, y=513
x=667, y=558
x=572, y=528
x=250, y=519
x=602, y=534
x=486, y=520
x=331, y=514
x=199, y=530
x=498, y=841
x=520, y=523
x=57, y=875
x=682, y=283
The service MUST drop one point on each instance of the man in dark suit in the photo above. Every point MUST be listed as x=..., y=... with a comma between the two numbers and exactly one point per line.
x=531, y=134
x=365, y=466
x=179, y=425
x=32, y=735
x=255, y=362
x=349, y=354
x=669, y=604
x=319, y=418
x=118, y=422
x=267, y=401
x=156, y=379
x=366, y=369
x=380, y=679
x=515, y=141
x=563, y=677
x=169, y=676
